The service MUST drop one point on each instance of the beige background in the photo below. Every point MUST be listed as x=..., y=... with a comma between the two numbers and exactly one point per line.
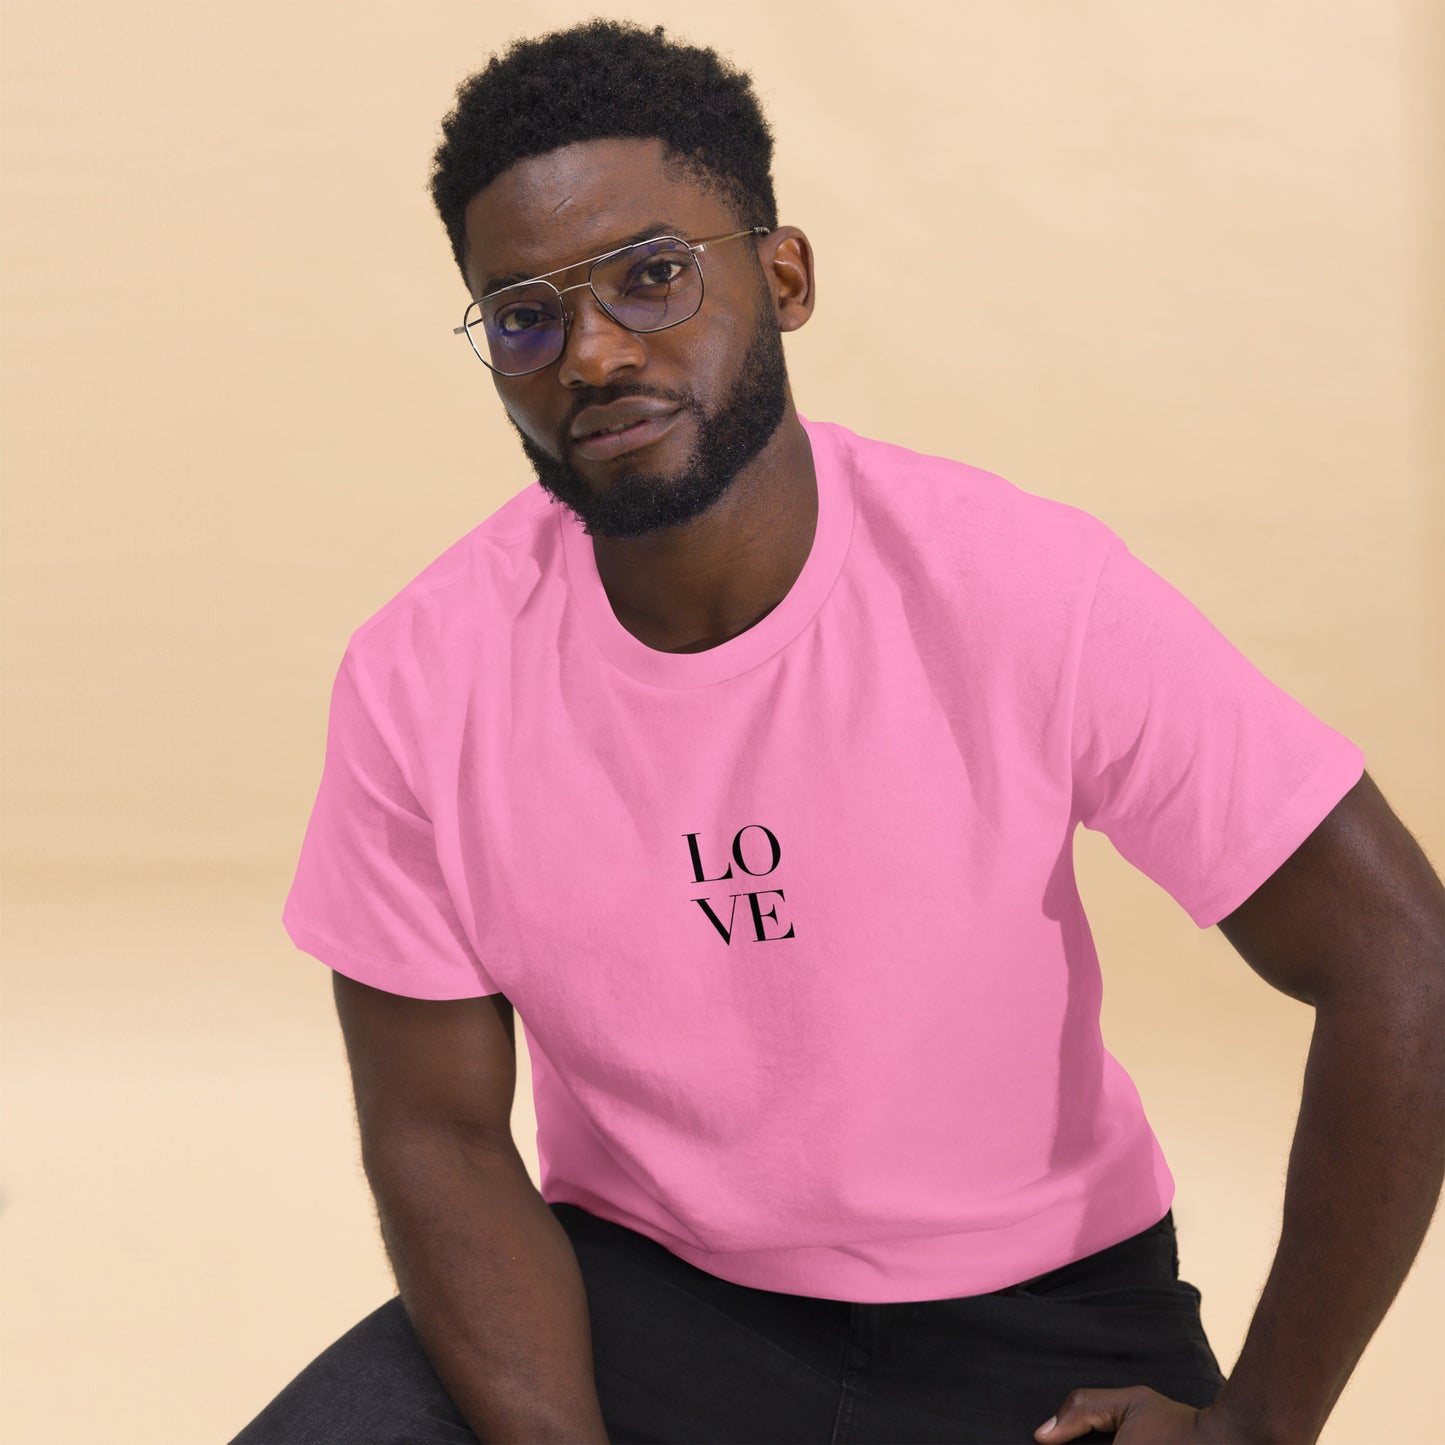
x=1189, y=258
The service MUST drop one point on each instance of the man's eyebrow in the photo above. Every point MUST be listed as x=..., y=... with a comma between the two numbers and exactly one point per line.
x=657, y=228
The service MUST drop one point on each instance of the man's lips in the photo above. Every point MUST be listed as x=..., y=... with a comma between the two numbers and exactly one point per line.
x=606, y=445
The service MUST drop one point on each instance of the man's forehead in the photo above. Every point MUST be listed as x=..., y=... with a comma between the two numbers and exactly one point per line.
x=578, y=201
x=495, y=280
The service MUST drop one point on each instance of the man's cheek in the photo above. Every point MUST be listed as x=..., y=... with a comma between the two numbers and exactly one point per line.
x=524, y=429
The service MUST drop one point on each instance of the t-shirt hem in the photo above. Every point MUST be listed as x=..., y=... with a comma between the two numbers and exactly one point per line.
x=925, y=1268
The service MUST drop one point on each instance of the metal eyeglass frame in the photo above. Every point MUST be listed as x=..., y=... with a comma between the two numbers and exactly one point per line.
x=592, y=263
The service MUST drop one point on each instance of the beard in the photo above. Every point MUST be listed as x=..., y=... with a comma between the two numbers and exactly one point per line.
x=636, y=501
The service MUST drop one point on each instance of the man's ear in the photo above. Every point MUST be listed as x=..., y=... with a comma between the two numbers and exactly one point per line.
x=787, y=259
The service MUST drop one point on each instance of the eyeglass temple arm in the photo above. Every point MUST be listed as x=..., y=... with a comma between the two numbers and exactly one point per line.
x=718, y=240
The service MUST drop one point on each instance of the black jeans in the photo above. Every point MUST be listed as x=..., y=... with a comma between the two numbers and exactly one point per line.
x=682, y=1356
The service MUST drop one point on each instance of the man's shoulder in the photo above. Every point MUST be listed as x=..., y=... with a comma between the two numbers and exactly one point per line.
x=947, y=503
x=467, y=587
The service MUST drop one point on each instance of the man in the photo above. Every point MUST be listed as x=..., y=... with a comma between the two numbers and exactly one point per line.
x=748, y=774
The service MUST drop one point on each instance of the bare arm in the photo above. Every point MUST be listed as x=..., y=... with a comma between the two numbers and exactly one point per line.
x=1352, y=924
x=487, y=1276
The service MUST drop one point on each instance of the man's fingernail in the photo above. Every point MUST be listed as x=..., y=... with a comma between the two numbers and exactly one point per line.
x=1048, y=1425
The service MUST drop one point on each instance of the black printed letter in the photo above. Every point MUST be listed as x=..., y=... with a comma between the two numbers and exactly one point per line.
x=759, y=915
x=738, y=852
x=697, y=862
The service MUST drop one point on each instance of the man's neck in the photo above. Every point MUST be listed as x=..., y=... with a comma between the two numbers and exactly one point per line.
x=693, y=587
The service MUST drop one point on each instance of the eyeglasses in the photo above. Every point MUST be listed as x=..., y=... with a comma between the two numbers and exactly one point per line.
x=647, y=286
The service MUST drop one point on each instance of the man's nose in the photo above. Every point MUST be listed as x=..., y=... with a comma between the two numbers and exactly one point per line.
x=597, y=347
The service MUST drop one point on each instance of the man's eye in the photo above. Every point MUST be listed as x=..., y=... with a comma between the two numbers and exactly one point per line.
x=520, y=318
x=660, y=272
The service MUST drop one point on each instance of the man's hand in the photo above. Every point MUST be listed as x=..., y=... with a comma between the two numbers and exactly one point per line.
x=1141, y=1416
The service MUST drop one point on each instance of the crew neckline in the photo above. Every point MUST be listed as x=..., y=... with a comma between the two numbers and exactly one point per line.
x=833, y=470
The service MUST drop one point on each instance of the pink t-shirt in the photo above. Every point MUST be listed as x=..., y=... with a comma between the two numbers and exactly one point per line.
x=791, y=924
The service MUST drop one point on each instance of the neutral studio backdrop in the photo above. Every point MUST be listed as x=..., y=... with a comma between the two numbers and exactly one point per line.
x=1188, y=280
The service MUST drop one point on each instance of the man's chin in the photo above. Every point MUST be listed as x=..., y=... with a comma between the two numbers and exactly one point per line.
x=637, y=504
x=631, y=503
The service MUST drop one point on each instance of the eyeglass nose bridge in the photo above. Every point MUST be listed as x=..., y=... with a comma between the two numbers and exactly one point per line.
x=570, y=312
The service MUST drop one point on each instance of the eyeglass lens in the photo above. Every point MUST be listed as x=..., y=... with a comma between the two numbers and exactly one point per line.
x=647, y=287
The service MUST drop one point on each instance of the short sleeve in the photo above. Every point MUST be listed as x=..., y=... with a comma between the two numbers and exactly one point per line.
x=1202, y=772
x=369, y=898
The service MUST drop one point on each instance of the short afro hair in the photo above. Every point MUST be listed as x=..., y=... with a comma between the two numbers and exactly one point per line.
x=599, y=80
